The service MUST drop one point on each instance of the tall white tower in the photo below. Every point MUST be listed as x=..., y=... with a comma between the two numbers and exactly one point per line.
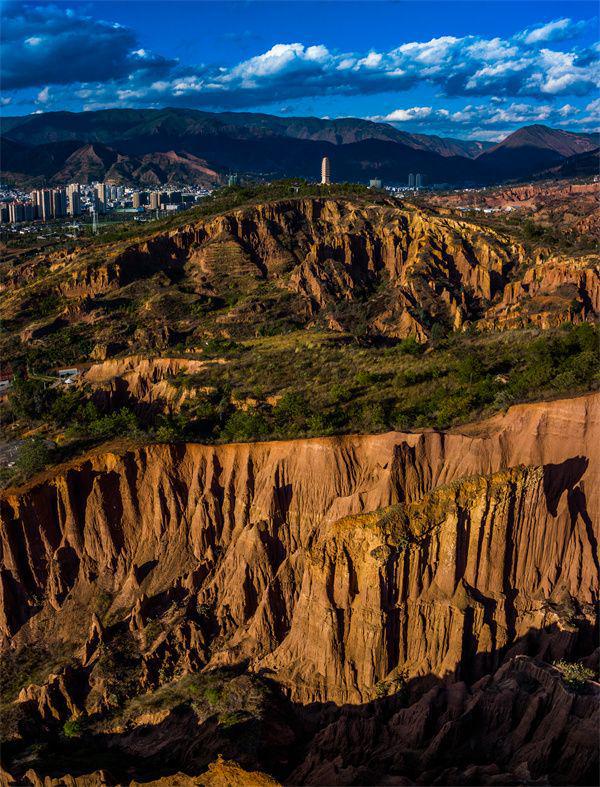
x=325, y=171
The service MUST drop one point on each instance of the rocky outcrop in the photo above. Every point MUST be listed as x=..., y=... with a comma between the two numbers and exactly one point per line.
x=221, y=773
x=435, y=588
x=546, y=287
x=144, y=381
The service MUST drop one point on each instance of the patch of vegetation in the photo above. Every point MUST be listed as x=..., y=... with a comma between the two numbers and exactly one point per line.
x=231, y=698
x=34, y=455
x=395, y=685
x=73, y=728
x=574, y=674
x=102, y=604
x=88, y=422
x=120, y=665
x=26, y=665
x=29, y=398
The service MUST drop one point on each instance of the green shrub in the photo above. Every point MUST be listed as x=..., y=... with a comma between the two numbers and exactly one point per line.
x=410, y=346
x=245, y=425
x=120, y=665
x=29, y=398
x=66, y=405
x=339, y=393
x=34, y=455
x=574, y=675
x=227, y=720
x=72, y=728
x=89, y=422
x=470, y=369
x=212, y=694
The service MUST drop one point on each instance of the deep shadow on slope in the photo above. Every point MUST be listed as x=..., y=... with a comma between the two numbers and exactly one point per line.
x=518, y=725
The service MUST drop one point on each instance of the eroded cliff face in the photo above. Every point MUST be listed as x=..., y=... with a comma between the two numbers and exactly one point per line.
x=458, y=558
x=330, y=250
x=406, y=269
x=396, y=589
x=147, y=381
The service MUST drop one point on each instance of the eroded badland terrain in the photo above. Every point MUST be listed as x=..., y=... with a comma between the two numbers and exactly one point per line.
x=319, y=507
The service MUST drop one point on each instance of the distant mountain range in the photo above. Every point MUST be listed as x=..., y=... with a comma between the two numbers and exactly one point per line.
x=151, y=147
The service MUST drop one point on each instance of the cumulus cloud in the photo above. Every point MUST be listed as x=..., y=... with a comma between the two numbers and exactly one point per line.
x=53, y=44
x=407, y=115
x=485, y=121
x=557, y=30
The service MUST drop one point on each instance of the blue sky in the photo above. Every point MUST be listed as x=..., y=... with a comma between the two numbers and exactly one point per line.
x=464, y=69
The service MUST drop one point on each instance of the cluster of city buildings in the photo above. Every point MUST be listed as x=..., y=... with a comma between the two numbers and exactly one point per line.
x=42, y=204
x=416, y=181
x=98, y=198
x=161, y=200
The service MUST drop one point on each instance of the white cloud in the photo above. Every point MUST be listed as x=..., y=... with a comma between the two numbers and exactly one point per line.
x=594, y=106
x=494, y=49
x=404, y=115
x=568, y=110
x=556, y=30
x=44, y=95
x=372, y=60
x=279, y=59
x=432, y=52
x=480, y=121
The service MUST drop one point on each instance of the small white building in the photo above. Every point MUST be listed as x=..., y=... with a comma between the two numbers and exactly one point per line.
x=67, y=376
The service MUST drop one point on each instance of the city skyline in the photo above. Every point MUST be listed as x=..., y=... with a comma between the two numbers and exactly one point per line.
x=473, y=71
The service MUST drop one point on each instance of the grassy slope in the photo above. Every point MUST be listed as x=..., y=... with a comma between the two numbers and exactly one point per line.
x=292, y=382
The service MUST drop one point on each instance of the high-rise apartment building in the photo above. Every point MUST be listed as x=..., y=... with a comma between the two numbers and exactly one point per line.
x=100, y=197
x=420, y=180
x=37, y=214
x=74, y=199
x=59, y=203
x=44, y=204
x=154, y=200
x=136, y=200
x=411, y=181
x=16, y=212
x=325, y=171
